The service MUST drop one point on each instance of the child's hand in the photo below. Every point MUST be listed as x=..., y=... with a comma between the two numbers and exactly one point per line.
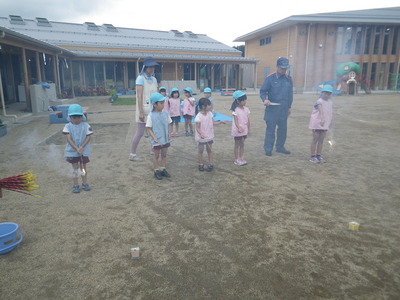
x=155, y=140
x=79, y=150
x=322, y=122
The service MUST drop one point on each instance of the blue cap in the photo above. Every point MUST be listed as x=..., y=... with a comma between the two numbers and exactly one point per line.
x=162, y=88
x=156, y=97
x=237, y=94
x=283, y=63
x=174, y=90
x=75, y=110
x=207, y=90
x=189, y=90
x=327, y=88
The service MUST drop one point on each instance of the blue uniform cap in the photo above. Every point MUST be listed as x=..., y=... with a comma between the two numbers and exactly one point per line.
x=75, y=110
x=207, y=90
x=156, y=97
x=237, y=94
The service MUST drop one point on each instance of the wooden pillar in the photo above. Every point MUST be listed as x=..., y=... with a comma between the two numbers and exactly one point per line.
x=57, y=75
x=82, y=64
x=226, y=77
x=176, y=70
x=125, y=75
x=72, y=78
x=26, y=81
x=38, y=71
x=195, y=72
x=212, y=77
x=104, y=75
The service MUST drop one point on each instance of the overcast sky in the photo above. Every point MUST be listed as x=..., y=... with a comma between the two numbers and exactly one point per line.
x=220, y=20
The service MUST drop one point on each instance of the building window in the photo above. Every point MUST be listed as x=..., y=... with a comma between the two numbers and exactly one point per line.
x=386, y=40
x=378, y=31
x=268, y=40
x=262, y=42
x=339, y=43
x=348, y=39
x=395, y=41
x=368, y=30
x=358, y=40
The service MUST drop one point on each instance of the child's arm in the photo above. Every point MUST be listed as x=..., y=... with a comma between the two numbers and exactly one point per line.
x=321, y=114
x=71, y=142
x=198, y=129
x=236, y=120
x=248, y=126
x=85, y=142
x=151, y=134
x=219, y=122
x=191, y=101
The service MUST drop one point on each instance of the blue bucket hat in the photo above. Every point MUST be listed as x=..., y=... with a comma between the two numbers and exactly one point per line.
x=327, y=88
x=75, y=110
x=156, y=97
x=237, y=94
x=162, y=88
x=149, y=62
x=207, y=90
x=189, y=90
x=174, y=90
x=283, y=63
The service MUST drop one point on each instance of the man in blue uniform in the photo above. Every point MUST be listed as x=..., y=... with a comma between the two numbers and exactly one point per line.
x=277, y=96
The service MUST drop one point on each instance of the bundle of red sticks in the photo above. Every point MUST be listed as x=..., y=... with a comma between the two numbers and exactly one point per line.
x=22, y=183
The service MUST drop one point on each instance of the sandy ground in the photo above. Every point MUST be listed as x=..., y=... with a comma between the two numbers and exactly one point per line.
x=274, y=229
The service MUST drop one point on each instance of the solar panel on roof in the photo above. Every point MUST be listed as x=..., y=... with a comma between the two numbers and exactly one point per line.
x=43, y=22
x=92, y=26
x=14, y=19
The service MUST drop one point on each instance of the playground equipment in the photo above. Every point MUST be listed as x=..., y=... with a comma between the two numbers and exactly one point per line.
x=348, y=78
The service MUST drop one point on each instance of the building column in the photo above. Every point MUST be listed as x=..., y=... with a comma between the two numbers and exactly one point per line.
x=176, y=71
x=226, y=77
x=26, y=80
x=38, y=70
x=125, y=68
x=57, y=75
x=72, y=78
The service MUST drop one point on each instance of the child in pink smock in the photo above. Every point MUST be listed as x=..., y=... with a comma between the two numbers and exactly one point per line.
x=188, y=110
x=320, y=122
x=240, y=125
x=163, y=91
x=174, y=109
x=205, y=132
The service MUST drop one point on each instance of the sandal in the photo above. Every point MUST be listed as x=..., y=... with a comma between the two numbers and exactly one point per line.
x=201, y=167
x=209, y=168
x=86, y=187
x=76, y=189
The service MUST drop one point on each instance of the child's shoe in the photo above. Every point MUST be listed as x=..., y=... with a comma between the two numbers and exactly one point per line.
x=314, y=159
x=134, y=157
x=236, y=162
x=157, y=174
x=321, y=159
x=177, y=134
x=209, y=168
x=86, y=187
x=76, y=189
x=242, y=162
x=164, y=173
x=201, y=167
x=191, y=133
x=187, y=133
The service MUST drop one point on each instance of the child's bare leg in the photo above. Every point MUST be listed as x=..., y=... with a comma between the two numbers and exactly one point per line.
x=200, y=154
x=320, y=142
x=164, y=157
x=75, y=173
x=209, y=152
x=190, y=125
x=84, y=177
x=177, y=127
x=236, y=149
x=155, y=158
x=314, y=142
x=241, y=148
x=171, y=128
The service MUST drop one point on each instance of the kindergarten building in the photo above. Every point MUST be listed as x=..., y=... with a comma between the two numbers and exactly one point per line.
x=317, y=44
x=88, y=59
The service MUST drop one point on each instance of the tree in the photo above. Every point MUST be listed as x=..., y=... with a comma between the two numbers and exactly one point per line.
x=240, y=48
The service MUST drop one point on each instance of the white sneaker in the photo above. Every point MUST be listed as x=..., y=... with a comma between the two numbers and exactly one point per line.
x=134, y=157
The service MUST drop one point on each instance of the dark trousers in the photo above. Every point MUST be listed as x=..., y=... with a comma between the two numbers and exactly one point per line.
x=275, y=117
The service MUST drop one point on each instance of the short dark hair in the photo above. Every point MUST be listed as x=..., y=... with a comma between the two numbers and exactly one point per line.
x=172, y=94
x=204, y=102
